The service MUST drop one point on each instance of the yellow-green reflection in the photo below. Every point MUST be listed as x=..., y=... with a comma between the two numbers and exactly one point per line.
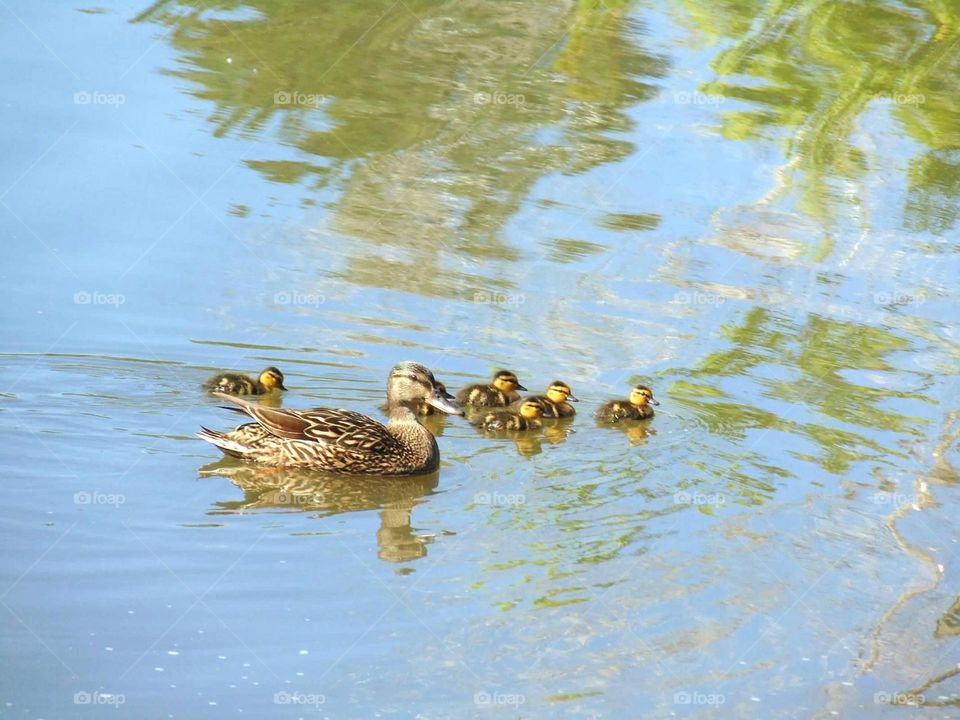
x=822, y=353
x=433, y=120
x=809, y=71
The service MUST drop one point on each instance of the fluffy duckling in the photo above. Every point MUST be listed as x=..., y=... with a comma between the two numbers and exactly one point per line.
x=499, y=393
x=238, y=384
x=636, y=407
x=526, y=417
x=556, y=403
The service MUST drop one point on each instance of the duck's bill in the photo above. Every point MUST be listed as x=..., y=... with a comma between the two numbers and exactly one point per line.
x=282, y=387
x=571, y=398
x=521, y=387
x=653, y=402
x=444, y=404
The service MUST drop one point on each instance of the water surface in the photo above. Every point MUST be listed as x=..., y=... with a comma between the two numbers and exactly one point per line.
x=752, y=207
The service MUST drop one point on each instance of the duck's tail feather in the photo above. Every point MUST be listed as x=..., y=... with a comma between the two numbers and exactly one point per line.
x=227, y=445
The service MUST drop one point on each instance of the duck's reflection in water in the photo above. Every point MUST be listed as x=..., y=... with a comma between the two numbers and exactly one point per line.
x=325, y=494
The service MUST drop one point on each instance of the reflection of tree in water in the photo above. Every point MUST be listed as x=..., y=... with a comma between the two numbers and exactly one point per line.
x=820, y=356
x=267, y=488
x=810, y=70
x=438, y=117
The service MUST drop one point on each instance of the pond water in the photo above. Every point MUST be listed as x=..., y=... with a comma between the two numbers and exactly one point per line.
x=752, y=207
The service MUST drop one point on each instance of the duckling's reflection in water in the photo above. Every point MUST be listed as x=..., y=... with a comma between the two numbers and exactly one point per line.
x=327, y=494
x=272, y=400
x=530, y=442
x=638, y=432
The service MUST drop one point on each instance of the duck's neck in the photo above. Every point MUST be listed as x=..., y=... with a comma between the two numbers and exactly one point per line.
x=405, y=426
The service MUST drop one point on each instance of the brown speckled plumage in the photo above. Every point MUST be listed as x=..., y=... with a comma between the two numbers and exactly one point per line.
x=342, y=440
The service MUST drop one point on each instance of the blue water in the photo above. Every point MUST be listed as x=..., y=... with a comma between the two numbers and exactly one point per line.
x=777, y=542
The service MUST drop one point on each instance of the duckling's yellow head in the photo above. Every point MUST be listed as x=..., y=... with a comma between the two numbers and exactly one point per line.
x=531, y=409
x=506, y=381
x=272, y=378
x=559, y=392
x=642, y=395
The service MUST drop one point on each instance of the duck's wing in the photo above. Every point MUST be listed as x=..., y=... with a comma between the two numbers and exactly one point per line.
x=348, y=429
x=326, y=426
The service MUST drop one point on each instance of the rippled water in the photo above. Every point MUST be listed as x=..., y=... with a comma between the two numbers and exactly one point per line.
x=751, y=207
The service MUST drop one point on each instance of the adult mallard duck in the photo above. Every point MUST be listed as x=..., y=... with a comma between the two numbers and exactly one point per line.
x=526, y=417
x=239, y=384
x=556, y=403
x=343, y=441
x=500, y=392
x=636, y=407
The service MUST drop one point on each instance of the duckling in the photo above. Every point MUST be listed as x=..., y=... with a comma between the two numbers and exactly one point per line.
x=342, y=441
x=527, y=417
x=499, y=393
x=239, y=384
x=636, y=407
x=556, y=403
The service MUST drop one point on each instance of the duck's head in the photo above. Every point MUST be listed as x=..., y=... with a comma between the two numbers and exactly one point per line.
x=506, y=381
x=531, y=409
x=272, y=378
x=411, y=383
x=425, y=408
x=559, y=392
x=642, y=395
